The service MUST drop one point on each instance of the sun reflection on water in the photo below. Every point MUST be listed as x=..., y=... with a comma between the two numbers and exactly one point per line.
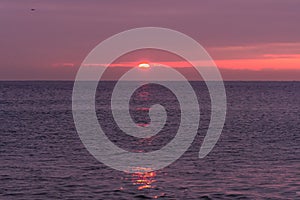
x=144, y=180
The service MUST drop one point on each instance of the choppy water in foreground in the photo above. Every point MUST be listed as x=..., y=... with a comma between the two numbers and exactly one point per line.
x=257, y=156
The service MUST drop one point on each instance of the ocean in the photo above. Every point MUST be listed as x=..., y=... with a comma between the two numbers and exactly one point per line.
x=256, y=157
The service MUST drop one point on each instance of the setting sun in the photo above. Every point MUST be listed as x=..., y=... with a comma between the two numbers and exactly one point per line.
x=144, y=65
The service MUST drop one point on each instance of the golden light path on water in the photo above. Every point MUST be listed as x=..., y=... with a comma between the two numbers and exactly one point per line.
x=144, y=181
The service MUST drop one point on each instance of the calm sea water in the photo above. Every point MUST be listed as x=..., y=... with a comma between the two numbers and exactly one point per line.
x=257, y=156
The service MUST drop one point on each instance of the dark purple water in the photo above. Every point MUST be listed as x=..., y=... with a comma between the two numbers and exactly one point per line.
x=257, y=156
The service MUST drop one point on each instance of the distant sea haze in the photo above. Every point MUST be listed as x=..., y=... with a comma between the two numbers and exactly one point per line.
x=69, y=73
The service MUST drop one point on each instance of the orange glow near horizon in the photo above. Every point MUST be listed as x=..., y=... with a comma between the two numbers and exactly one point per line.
x=260, y=64
x=268, y=62
x=257, y=57
x=255, y=64
x=231, y=60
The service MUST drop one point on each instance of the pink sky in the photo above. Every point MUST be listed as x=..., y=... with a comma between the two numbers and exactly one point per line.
x=249, y=40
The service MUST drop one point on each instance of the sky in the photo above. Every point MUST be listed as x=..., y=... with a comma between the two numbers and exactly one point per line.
x=248, y=40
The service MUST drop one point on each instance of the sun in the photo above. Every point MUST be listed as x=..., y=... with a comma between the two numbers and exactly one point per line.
x=144, y=65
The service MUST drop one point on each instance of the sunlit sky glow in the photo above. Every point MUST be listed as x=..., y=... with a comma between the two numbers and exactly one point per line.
x=144, y=65
x=248, y=40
